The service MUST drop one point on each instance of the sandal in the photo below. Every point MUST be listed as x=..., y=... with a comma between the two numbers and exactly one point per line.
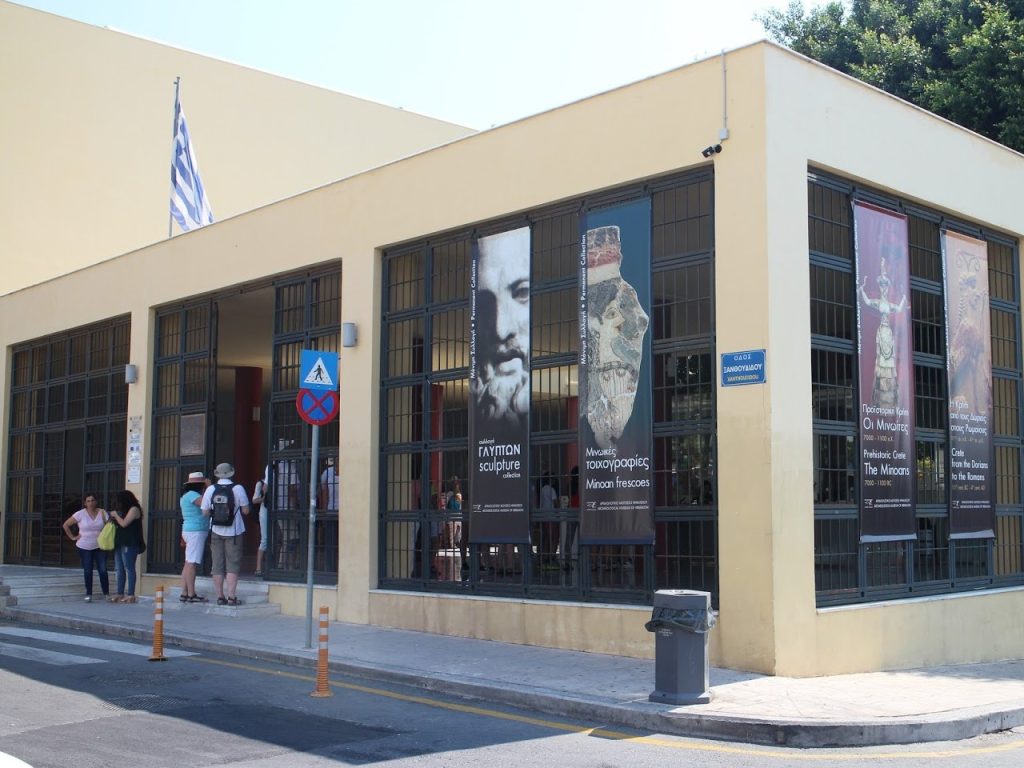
x=234, y=601
x=197, y=599
x=222, y=601
x=183, y=598
x=130, y=599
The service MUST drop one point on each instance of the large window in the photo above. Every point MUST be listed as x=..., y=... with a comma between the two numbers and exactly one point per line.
x=425, y=401
x=846, y=569
x=67, y=435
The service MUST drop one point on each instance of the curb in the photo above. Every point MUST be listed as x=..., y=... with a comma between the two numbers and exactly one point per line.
x=952, y=725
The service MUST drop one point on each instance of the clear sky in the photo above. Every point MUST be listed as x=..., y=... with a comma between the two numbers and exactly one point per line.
x=474, y=62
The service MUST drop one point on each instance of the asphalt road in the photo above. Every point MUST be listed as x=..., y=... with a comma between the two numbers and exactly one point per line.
x=72, y=699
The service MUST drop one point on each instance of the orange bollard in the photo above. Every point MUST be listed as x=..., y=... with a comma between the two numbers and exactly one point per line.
x=158, y=626
x=323, y=687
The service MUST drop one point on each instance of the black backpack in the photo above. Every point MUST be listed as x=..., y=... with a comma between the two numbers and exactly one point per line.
x=222, y=504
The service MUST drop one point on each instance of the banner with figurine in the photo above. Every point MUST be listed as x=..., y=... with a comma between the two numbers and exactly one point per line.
x=615, y=417
x=886, y=415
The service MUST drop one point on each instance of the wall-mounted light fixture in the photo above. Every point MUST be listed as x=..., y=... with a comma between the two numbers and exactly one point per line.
x=131, y=374
x=349, y=335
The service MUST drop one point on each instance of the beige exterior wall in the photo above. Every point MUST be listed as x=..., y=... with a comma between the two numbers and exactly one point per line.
x=784, y=114
x=820, y=119
x=87, y=123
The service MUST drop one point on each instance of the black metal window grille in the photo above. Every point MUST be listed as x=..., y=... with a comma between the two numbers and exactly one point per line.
x=929, y=317
x=183, y=388
x=835, y=468
x=846, y=570
x=832, y=386
x=424, y=419
x=555, y=327
x=307, y=315
x=66, y=437
x=684, y=385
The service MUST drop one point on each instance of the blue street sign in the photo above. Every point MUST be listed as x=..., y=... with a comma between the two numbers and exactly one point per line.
x=318, y=370
x=739, y=368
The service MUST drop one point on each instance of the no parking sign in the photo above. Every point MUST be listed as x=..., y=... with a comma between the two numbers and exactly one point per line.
x=317, y=408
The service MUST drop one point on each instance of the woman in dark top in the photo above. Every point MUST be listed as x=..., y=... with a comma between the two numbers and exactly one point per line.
x=128, y=543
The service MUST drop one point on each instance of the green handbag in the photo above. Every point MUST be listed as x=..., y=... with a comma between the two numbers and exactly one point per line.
x=106, y=537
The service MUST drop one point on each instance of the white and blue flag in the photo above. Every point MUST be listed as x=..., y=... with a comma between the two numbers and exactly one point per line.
x=189, y=206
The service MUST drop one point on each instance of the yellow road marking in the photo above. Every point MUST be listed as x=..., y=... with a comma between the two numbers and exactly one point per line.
x=657, y=741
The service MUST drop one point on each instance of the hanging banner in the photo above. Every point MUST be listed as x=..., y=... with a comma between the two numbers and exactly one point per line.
x=499, y=389
x=972, y=512
x=617, y=504
x=887, y=468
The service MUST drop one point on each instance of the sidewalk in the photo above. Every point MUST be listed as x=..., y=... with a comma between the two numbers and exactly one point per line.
x=935, y=704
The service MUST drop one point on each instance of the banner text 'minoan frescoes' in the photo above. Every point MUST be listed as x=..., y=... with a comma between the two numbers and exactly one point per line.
x=969, y=365
x=499, y=383
x=616, y=504
x=886, y=413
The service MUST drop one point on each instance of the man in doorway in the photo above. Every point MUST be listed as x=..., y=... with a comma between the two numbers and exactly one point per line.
x=329, y=487
x=226, y=503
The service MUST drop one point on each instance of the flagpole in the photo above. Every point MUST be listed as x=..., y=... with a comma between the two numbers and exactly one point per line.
x=174, y=132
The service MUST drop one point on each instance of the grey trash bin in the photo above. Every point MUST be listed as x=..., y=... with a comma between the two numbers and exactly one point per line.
x=680, y=622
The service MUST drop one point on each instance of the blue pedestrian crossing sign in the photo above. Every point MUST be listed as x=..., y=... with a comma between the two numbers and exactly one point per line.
x=318, y=370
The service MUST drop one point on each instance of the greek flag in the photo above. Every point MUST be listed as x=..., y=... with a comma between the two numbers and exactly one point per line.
x=189, y=206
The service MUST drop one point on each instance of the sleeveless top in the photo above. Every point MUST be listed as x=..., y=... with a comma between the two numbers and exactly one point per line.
x=192, y=516
x=130, y=536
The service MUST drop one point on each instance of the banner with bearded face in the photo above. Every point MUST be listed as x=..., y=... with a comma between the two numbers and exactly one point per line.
x=499, y=383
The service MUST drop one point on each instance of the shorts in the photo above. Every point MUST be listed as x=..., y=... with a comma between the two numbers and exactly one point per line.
x=227, y=554
x=195, y=543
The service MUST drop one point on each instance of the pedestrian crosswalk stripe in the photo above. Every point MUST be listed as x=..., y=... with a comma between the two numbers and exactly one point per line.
x=100, y=643
x=54, y=658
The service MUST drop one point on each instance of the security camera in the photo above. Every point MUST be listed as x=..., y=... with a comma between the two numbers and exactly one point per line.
x=712, y=150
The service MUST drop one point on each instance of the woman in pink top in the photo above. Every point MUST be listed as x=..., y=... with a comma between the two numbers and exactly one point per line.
x=90, y=521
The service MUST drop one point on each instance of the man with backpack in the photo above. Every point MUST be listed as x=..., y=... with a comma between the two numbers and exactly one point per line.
x=225, y=503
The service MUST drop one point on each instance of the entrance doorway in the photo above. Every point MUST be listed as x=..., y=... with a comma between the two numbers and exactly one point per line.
x=226, y=379
x=211, y=390
x=243, y=380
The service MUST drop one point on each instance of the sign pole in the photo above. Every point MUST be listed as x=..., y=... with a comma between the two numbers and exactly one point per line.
x=317, y=403
x=313, y=464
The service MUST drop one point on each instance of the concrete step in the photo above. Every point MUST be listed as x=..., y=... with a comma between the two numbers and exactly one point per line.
x=245, y=609
x=248, y=591
x=51, y=591
x=255, y=597
x=23, y=601
x=57, y=579
x=173, y=604
x=43, y=586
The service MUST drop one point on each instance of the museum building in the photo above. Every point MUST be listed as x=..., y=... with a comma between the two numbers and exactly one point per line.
x=748, y=327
